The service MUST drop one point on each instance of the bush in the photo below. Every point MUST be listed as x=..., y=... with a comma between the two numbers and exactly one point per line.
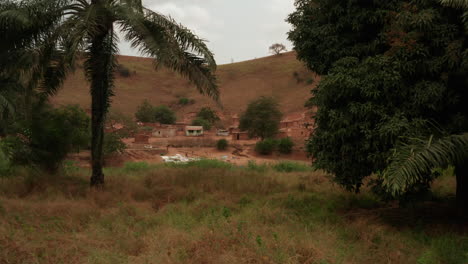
x=266, y=147
x=253, y=166
x=285, y=145
x=222, y=144
x=186, y=101
x=202, y=122
x=289, y=166
x=123, y=71
x=48, y=137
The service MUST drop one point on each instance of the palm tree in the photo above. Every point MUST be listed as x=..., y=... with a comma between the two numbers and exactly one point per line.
x=87, y=29
x=413, y=162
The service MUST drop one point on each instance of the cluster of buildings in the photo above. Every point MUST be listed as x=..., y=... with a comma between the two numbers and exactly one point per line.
x=297, y=126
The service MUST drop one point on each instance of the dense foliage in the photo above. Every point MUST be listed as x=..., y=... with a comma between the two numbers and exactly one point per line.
x=393, y=69
x=222, y=144
x=148, y=113
x=42, y=39
x=145, y=112
x=202, y=122
x=206, y=117
x=266, y=146
x=46, y=139
x=262, y=118
x=164, y=115
x=208, y=114
x=285, y=145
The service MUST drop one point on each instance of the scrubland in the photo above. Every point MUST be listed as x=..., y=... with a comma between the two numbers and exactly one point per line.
x=210, y=212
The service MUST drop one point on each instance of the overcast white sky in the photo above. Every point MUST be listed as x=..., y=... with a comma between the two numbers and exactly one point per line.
x=235, y=29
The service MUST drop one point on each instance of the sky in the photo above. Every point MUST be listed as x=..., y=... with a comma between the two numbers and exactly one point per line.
x=236, y=30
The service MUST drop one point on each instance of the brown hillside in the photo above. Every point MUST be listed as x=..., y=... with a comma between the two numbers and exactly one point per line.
x=239, y=83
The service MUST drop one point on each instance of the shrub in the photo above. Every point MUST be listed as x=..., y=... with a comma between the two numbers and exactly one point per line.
x=266, y=147
x=253, y=166
x=48, y=137
x=289, y=166
x=185, y=101
x=123, y=71
x=202, y=122
x=285, y=145
x=222, y=144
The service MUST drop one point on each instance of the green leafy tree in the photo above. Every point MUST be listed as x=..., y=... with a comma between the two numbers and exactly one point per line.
x=164, y=115
x=414, y=161
x=145, y=112
x=390, y=68
x=262, y=118
x=202, y=122
x=69, y=27
x=208, y=114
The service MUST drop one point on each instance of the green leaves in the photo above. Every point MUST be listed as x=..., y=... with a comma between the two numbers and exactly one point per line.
x=413, y=162
x=389, y=68
x=262, y=118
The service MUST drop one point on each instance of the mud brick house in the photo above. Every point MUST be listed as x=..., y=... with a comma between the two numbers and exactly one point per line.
x=296, y=126
x=164, y=131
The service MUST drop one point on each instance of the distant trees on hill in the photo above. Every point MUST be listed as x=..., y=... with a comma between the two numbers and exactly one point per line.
x=277, y=48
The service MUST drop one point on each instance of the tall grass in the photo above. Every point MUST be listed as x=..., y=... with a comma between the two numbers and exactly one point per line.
x=208, y=212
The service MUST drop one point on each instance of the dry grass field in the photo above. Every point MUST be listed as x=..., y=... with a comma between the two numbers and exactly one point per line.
x=214, y=213
x=239, y=83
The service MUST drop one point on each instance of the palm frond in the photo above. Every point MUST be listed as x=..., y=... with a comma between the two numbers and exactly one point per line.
x=460, y=4
x=463, y=4
x=412, y=162
x=172, y=46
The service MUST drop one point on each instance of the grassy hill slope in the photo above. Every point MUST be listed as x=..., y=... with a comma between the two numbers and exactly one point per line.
x=239, y=83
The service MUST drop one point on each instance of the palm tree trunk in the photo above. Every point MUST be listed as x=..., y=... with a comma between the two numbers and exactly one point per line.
x=461, y=172
x=100, y=61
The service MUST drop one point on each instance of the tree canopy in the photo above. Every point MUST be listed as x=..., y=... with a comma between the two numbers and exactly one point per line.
x=392, y=70
x=262, y=118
